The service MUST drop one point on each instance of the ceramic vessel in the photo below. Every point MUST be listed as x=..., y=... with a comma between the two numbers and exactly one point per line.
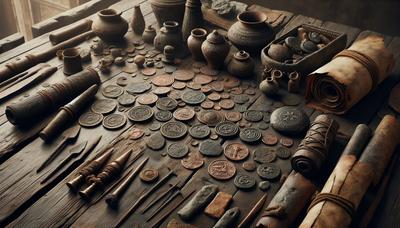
x=193, y=17
x=169, y=34
x=241, y=65
x=168, y=10
x=250, y=33
x=138, y=24
x=269, y=86
x=194, y=42
x=215, y=49
x=149, y=34
x=109, y=25
x=72, y=61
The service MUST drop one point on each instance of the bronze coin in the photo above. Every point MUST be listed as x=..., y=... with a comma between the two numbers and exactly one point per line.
x=135, y=88
x=217, y=86
x=114, y=121
x=140, y=113
x=244, y=181
x=207, y=104
x=112, y=91
x=183, y=75
x=250, y=91
x=236, y=91
x=253, y=116
x=173, y=130
x=104, y=106
x=249, y=166
x=199, y=131
x=163, y=115
x=214, y=96
x=210, y=117
x=270, y=139
x=233, y=116
x=193, y=161
x=194, y=86
x=262, y=126
x=226, y=104
x=162, y=80
x=225, y=95
x=268, y=171
x=161, y=90
x=126, y=99
x=181, y=104
x=286, y=142
x=150, y=71
x=241, y=99
x=226, y=129
x=221, y=169
x=217, y=107
x=148, y=175
x=202, y=79
x=135, y=133
x=193, y=97
x=264, y=155
x=208, y=71
x=169, y=69
x=206, y=89
x=177, y=150
x=283, y=152
x=236, y=151
x=231, y=82
x=250, y=135
x=147, y=99
x=122, y=81
x=90, y=119
x=175, y=95
x=184, y=114
x=156, y=141
x=166, y=103
x=179, y=85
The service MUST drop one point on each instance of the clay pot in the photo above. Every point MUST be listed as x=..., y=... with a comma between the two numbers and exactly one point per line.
x=138, y=23
x=250, y=33
x=269, y=86
x=72, y=61
x=193, y=17
x=149, y=34
x=279, y=52
x=168, y=10
x=215, y=49
x=109, y=25
x=241, y=65
x=169, y=34
x=194, y=42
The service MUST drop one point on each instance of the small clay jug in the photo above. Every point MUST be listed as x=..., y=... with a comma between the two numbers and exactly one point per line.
x=138, y=23
x=169, y=34
x=193, y=17
x=194, y=42
x=269, y=87
x=149, y=34
x=109, y=25
x=72, y=61
x=215, y=49
x=241, y=65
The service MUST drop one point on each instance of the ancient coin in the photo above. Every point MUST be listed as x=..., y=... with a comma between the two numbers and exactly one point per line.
x=179, y=85
x=270, y=139
x=286, y=142
x=236, y=151
x=177, y=150
x=162, y=80
x=241, y=108
x=289, y=120
x=231, y=82
x=291, y=99
x=250, y=91
x=226, y=104
x=183, y=75
x=166, y=103
x=136, y=88
x=262, y=125
x=161, y=91
x=221, y=169
x=264, y=185
x=192, y=161
x=147, y=99
x=217, y=86
x=122, y=81
x=114, y=121
x=193, y=97
x=193, y=85
x=174, y=94
x=202, y=79
x=236, y=91
x=225, y=95
x=208, y=71
x=283, y=152
x=250, y=135
x=217, y=107
x=156, y=141
x=184, y=114
x=169, y=69
x=148, y=175
x=173, y=130
x=233, y=116
x=226, y=129
x=266, y=117
x=149, y=71
x=210, y=117
x=136, y=133
x=126, y=99
x=253, y=116
x=268, y=171
x=163, y=115
x=207, y=104
x=140, y=113
x=199, y=131
x=264, y=155
x=154, y=126
x=214, y=96
x=244, y=181
x=249, y=166
x=181, y=104
x=210, y=148
x=104, y=106
x=206, y=89
x=90, y=119
x=241, y=99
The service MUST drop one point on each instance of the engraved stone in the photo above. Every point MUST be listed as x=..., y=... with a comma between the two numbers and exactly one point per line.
x=289, y=120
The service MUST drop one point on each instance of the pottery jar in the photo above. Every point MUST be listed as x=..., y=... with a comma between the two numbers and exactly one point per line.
x=269, y=87
x=251, y=32
x=215, y=49
x=138, y=24
x=149, y=34
x=241, y=65
x=193, y=17
x=169, y=34
x=72, y=61
x=168, y=10
x=109, y=25
x=194, y=42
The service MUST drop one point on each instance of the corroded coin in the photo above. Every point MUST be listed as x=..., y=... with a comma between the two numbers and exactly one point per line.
x=210, y=148
x=289, y=120
x=166, y=103
x=199, y=131
x=264, y=155
x=264, y=185
x=90, y=119
x=192, y=161
x=177, y=150
x=135, y=88
x=253, y=116
x=162, y=80
x=156, y=141
x=286, y=142
x=233, y=116
x=193, y=85
x=226, y=104
x=154, y=126
x=147, y=99
x=206, y=89
x=283, y=152
x=226, y=129
x=193, y=97
x=208, y=71
x=262, y=125
x=161, y=91
x=122, y=81
x=268, y=171
x=173, y=130
x=135, y=133
x=225, y=95
x=236, y=91
x=184, y=114
x=244, y=181
x=217, y=86
x=126, y=99
x=210, y=117
x=249, y=166
x=221, y=169
x=236, y=151
x=179, y=85
x=241, y=99
x=250, y=135
x=270, y=139
x=104, y=106
x=149, y=71
x=231, y=82
x=140, y=113
x=183, y=75
x=250, y=91
x=163, y=115
x=267, y=117
x=214, y=96
x=114, y=121
x=207, y=104
x=202, y=79
x=148, y=175
x=169, y=69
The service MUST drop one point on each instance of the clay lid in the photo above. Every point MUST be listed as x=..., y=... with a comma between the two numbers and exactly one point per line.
x=241, y=55
x=215, y=38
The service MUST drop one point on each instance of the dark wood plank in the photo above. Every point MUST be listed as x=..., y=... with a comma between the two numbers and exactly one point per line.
x=11, y=42
x=296, y=21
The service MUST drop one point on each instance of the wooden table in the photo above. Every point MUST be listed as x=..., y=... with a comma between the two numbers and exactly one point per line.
x=24, y=202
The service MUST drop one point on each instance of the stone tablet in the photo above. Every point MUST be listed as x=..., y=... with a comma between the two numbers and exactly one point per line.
x=218, y=205
x=289, y=120
x=228, y=219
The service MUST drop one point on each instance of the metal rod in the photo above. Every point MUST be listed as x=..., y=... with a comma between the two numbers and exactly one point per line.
x=172, y=197
x=158, y=198
x=250, y=216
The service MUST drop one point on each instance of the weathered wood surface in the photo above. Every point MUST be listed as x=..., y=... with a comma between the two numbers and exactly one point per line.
x=24, y=202
x=11, y=42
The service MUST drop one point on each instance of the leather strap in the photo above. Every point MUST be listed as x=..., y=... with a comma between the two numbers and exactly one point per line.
x=346, y=204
